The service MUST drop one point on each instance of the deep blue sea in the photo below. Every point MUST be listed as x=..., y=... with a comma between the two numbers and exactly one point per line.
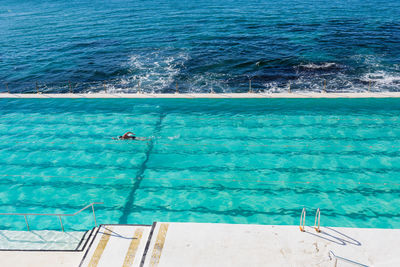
x=124, y=45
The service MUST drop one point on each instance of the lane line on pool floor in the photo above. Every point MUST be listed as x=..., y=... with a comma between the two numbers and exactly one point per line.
x=139, y=176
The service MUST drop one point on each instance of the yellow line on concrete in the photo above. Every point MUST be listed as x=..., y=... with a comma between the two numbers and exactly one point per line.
x=100, y=247
x=158, y=246
x=130, y=255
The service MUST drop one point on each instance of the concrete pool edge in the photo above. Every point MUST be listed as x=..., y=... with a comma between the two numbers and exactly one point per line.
x=208, y=95
x=210, y=244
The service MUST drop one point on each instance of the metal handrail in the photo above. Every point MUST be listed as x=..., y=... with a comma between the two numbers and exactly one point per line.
x=303, y=220
x=344, y=259
x=317, y=219
x=55, y=214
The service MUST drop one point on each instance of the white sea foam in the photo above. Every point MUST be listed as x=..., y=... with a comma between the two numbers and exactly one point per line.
x=207, y=82
x=382, y=77
x=314, y=66
x=150, y=72
x=157, y=71
x=315, y=83
x=274, y=87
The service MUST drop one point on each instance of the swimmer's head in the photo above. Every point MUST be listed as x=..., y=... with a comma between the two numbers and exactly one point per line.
x=120, y=137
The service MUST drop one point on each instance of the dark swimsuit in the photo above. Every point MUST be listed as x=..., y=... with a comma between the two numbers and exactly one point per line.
x=129, y=137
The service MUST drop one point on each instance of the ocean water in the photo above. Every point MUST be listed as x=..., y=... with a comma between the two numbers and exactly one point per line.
x=199, y=46
x=257, y=161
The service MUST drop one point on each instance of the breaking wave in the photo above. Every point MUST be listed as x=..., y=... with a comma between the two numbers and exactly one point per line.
x=322, y=66
x=171, y=70
x=154, y=73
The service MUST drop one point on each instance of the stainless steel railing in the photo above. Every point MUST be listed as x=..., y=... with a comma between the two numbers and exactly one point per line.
x=55, y=214
x=303, y=220
x=316, y=222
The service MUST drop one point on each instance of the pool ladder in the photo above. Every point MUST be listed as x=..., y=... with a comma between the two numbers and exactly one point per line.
x=316, y=222
x=55, y=214
x=317, y=228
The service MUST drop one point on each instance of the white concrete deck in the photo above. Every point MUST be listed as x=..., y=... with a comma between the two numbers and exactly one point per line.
x=188, y=244
x=40, y=259
x=203, y=244
x=202, y=95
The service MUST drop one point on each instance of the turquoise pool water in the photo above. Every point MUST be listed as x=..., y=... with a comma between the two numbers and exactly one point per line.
x=229, y=161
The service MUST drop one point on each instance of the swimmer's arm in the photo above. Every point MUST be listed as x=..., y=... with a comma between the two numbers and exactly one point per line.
x=127, y=134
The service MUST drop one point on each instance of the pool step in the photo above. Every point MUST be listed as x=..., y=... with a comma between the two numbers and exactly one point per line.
x=117, y=245
x=40, y=240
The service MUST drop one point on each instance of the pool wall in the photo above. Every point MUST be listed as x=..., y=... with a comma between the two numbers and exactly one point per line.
x=211, y=95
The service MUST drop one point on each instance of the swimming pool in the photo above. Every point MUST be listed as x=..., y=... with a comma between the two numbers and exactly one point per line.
x=208, y=160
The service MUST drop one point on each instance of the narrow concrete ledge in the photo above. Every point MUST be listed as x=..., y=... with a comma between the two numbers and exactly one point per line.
x=201, y=95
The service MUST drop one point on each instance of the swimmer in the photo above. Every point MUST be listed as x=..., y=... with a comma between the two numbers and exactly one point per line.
x=129, y=136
